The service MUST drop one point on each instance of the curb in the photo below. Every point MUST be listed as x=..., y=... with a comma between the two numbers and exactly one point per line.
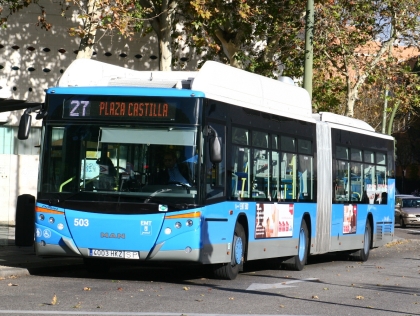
x=8, y=272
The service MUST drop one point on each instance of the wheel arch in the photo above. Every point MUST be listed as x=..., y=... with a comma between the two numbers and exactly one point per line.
x=307, y=218
x=243, y=220
x=369, y=218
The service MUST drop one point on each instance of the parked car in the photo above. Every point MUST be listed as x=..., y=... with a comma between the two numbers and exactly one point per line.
x=407, y=210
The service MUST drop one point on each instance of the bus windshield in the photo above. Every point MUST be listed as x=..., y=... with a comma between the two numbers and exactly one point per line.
x=153, y=165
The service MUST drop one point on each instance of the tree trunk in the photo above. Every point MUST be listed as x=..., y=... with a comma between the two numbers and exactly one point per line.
x=165, y=40
x=90, y=27
x=230, y=49
x=351, y=101
x=162, y=25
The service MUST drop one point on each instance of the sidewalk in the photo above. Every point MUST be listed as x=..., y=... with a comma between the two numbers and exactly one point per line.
x=20, y=261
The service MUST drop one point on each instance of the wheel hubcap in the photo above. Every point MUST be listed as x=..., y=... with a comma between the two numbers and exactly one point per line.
x=238, y=246
x=367, y=243
x=302, y=244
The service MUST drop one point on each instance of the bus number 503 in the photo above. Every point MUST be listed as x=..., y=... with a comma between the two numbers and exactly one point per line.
x=81, y=222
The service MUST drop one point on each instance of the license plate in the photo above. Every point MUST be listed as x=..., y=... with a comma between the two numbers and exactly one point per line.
x=114, y=254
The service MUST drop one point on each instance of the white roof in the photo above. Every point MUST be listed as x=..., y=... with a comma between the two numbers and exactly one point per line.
x=217, y=81
x=232, y=85
x=343, y=120
x=88, y=72
x=349, y=124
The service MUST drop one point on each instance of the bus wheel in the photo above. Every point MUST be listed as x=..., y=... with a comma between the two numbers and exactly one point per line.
x=229, y=271
x=298, y=262
x=363, y=254
x=25, y=221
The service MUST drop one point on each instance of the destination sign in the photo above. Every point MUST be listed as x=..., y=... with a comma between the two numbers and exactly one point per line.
x=114, y=108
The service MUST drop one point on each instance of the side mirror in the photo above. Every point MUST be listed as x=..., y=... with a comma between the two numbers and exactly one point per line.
x=215, y=146
x=24, y=126
x=26, y=119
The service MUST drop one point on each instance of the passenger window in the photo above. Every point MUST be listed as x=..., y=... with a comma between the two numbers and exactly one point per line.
x=304, y=146
x=240, y=136
x=288, y=179
x=259, y=139
x=356, y=155
x=341, y=183
x=261, y=173
x=305, y=179
x=368, y=156
x=356, y=184
x=342, y=153
x=241, y=177
x=287, y=144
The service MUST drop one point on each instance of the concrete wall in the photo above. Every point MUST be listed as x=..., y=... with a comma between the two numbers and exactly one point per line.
x=18, y=175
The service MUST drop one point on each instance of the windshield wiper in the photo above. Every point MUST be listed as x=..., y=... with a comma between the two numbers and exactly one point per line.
x=178, y=206
x=156, y=193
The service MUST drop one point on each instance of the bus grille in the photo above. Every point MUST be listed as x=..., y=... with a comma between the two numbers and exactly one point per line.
x=383, y=230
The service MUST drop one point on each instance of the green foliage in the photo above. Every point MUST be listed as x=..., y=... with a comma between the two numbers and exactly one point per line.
x=9, y=7
x=351, y=42
x=259, y=36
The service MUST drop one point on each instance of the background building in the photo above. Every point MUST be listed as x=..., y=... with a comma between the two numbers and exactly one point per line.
x=32, y=60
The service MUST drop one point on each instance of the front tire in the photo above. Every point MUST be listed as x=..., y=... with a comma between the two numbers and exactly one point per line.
x=229, y=271
x=298, y=262
x=402, y=223
x=25, y=221
x=363, y=254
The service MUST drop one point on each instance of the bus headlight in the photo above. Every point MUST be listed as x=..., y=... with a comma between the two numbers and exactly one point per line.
x=178, y=225
x=189, y=223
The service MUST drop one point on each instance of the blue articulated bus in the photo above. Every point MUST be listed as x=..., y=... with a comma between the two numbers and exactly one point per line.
x=216, y=167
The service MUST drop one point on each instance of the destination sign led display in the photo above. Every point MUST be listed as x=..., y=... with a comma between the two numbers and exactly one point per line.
x=124, y=108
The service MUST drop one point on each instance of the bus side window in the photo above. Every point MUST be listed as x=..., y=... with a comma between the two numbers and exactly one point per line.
x=241, y=173
x=261, y=180
x=305, y=178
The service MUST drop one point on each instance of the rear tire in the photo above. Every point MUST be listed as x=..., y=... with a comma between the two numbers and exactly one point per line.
x=229, y=271
x=363, y=254
x=298, y=262
x=25, y=221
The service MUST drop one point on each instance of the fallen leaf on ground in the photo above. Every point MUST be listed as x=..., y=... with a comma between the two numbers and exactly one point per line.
x=86, y=288
x=54, y=300
x=359, y=297
x=12, y=284
x=315, y=297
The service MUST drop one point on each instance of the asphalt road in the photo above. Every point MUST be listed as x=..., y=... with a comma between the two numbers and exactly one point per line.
x=410, y=232
x=387, y=284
